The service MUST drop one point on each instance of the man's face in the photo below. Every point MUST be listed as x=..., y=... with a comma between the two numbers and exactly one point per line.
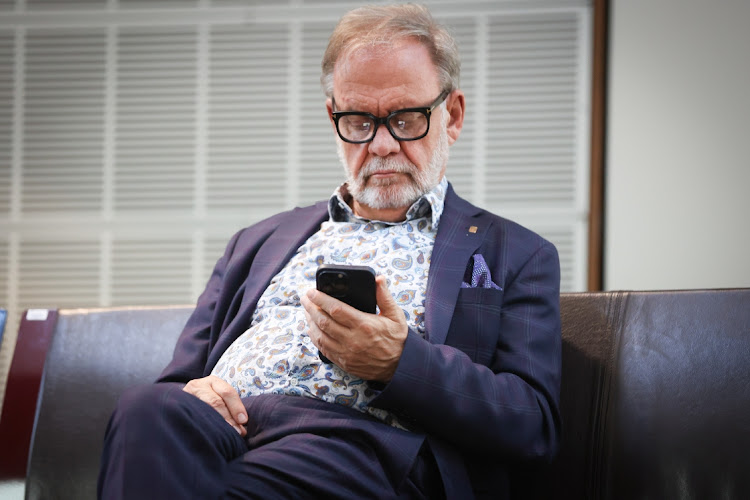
x=386, y=176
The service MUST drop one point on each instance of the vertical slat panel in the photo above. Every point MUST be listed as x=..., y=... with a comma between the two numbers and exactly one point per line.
x=4, y=272
x=7, y=75
x=320, y=169
x=63, y=120
x=66, y=4
x=567, y=245
x=533, y=104
x=155, y=134
x=157, y=4
x=58, y=273
x=151, y=271
x=461, y=166
x=248, y=114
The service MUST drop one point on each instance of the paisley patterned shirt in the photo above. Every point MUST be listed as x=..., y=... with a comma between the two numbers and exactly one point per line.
x=275, y=355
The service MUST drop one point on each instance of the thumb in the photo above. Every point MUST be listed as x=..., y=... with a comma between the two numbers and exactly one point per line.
x=386, y=302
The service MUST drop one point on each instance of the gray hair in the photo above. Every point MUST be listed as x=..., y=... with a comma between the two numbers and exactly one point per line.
x=382, y=25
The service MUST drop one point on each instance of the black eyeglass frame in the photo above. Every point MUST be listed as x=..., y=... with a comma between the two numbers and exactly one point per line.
x=385, y=120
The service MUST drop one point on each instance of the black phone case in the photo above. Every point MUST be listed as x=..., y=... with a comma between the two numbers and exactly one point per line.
x=353, y=285
x=358, y=289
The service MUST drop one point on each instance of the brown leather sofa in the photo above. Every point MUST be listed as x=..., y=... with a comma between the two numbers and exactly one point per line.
x=655, y=395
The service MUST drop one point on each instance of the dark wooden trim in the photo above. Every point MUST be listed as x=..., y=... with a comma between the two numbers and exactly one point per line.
x=598, y=146
x=22, y=392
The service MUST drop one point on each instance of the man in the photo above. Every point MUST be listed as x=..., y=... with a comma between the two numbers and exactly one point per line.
x=453, y=381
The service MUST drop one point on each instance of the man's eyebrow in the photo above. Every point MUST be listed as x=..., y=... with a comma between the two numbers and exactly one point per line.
x=358, y=106
x=360, y=109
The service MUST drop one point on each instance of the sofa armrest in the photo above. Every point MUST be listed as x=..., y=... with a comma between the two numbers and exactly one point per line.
x=22, y=390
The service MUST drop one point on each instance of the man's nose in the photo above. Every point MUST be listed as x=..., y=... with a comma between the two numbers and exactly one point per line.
x=383, y=143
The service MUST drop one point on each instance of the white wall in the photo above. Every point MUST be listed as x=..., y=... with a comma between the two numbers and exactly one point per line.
x=678, y=148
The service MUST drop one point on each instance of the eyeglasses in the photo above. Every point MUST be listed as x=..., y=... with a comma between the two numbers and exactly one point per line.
x=408, y=124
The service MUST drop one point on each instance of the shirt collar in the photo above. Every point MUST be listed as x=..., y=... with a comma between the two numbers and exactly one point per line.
x=429, y=204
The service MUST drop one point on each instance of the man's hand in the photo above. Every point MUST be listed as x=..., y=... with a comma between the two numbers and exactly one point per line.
x=368, y=346
x=222, y=397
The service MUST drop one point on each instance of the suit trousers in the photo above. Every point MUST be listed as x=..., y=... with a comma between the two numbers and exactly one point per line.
x=162, y=442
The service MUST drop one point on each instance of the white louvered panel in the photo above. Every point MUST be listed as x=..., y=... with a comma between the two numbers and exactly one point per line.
x=6, y=118
x=64, y=4
x=244, y=3
x=155, y=125
x=58, y=273
x=248, y=112
x=155, y=271
x=533, y=90
x=4, y=273
x=347, y=3
x=320, y=169
x=63, y=120
x=564, y=239
x=462, y=164
x=7, y=4
x=157, y=3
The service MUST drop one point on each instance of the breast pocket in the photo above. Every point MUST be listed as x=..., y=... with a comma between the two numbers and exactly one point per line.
x=475, y=326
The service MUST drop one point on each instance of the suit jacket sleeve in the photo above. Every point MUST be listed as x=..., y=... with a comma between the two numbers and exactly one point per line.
x=494, y=386
x=193, y=346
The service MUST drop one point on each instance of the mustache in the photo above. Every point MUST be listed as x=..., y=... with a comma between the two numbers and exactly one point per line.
x=377, y=165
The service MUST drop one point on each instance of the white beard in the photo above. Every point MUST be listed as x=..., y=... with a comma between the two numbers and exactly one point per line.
x=390, y=193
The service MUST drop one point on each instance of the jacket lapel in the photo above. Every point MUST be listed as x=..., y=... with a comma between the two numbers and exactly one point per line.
x=278, y=250
x=293, y=230
x=461, y=232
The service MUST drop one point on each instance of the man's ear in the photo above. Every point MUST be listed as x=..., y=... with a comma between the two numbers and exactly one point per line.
x=455, y=105
x=329, y=109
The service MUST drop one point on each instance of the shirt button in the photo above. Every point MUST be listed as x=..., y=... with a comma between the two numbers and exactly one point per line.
x=293, y=382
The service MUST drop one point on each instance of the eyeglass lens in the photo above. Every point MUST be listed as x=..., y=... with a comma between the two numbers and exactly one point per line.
x=406, y=125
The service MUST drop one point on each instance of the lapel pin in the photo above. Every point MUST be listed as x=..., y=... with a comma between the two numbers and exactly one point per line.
x=473, y=229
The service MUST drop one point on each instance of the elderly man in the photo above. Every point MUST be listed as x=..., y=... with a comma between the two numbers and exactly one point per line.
x=454, y=380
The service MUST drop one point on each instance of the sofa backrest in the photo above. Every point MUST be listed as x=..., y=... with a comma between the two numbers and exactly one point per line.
x=655, y=395
x=93, y=358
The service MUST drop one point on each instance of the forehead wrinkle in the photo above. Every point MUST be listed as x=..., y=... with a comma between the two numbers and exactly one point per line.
x=365, y=101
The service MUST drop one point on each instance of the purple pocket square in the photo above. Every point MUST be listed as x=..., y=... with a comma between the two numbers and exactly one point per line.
x=480, y=275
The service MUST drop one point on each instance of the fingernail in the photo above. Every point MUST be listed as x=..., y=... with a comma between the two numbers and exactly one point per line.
x=242, y=418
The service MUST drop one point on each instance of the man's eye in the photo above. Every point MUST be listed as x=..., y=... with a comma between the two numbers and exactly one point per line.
x=363, y=125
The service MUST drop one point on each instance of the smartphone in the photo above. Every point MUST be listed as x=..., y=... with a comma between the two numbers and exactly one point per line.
x=353, y=285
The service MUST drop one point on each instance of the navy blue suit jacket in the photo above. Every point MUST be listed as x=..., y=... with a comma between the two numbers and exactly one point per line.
x=483, y=385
